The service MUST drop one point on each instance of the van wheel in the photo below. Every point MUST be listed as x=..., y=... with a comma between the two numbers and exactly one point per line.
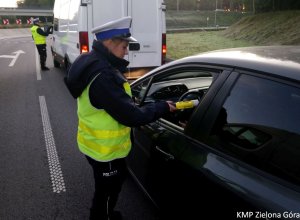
x=67, y=65
x=56, y=64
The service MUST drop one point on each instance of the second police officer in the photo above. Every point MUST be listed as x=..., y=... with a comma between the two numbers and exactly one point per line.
x=39, y=38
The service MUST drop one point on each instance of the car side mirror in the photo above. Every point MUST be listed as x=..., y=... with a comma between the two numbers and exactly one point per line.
x=49, y=29
x=134, y=46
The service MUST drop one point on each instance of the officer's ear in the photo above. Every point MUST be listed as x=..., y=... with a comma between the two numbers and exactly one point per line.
x=108, y=43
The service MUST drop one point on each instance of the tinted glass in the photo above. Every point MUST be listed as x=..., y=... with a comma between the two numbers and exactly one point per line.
x=260, y=124
x=264, y=102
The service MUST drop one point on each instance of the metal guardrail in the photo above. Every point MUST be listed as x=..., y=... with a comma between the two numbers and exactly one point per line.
x=184, y=30
x=26, y=12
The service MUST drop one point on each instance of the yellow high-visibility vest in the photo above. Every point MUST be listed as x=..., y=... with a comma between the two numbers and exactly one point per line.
x=38, y=39
x=99, y=135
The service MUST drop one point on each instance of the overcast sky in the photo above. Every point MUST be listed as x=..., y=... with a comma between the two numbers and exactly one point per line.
x=8, y=3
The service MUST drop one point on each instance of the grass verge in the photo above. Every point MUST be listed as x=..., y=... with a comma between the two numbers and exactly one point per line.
x=273, y=28
x=185, y=44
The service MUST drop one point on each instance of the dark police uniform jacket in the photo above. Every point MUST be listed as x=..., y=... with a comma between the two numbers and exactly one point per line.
x=107, y=91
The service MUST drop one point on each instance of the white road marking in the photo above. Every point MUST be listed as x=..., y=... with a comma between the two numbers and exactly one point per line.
x=13, y=57
x=12, y=63
x=57, y=179
x=37, y=65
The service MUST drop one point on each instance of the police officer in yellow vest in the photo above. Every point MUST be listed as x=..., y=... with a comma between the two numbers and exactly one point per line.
x=39, y=37
x=106, y=112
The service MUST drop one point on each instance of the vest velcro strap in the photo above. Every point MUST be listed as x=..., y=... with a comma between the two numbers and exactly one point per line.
x=127, y=88
x=104, y=134
x=103, y=150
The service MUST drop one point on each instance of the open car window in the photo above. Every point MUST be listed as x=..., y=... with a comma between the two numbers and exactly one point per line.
x=176, y=85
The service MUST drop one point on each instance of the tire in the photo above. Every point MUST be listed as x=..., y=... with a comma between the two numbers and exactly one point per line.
x=56, y=63
x=67, y=65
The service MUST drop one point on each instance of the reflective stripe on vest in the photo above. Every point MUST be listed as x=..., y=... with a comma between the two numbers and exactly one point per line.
x=103, y=134
x=99, y=135
x=38, y=39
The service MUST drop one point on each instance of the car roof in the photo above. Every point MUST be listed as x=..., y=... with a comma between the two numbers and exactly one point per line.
x=278, y=60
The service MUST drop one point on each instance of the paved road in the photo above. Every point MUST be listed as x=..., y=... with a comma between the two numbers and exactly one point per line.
x=42, y=173
x=14, y=33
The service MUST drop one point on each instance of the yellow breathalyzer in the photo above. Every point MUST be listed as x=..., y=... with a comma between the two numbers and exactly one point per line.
x=187, y=104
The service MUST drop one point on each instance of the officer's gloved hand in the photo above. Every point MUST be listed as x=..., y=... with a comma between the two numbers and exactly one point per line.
x=172, y=107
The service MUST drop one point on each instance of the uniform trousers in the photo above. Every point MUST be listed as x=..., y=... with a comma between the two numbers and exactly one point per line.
x=109, y=178
x=42, y=49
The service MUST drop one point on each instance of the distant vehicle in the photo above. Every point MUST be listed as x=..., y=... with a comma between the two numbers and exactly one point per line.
x=235, y=155
x=74, y=20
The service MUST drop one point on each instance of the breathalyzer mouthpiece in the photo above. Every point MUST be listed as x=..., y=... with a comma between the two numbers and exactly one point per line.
x=187, y=104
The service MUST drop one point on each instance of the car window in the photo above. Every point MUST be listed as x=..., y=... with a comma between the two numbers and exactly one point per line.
x=259, y=123
x=178, y=85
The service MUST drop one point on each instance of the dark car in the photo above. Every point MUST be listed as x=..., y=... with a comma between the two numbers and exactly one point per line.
x=237, y=154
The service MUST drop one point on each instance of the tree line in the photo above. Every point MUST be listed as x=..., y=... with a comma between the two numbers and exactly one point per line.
x=234, y=5
x=47, y=4
x=230, y=5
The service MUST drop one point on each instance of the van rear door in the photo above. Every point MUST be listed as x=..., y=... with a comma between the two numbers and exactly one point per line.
x=148, y=27
x=107, y=10
x=103, y=11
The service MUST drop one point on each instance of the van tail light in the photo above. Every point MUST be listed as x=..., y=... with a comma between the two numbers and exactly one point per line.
x=164, y=49
x=84, y=42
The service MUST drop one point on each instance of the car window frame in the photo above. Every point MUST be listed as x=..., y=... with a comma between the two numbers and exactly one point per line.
x=226, y=88
x=204, y=130
x=222, y=75
x=196, y=124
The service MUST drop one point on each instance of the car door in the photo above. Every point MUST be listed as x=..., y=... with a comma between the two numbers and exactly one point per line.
x=255, y=128
x=164, y=159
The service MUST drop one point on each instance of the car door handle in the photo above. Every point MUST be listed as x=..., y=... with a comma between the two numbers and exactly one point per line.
x=168, y=156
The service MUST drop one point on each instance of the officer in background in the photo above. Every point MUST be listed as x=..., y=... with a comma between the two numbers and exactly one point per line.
x=106, y=112
x=39, y=37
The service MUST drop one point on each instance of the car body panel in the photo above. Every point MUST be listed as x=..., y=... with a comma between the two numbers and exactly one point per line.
x=179, y=165
x=267, y=59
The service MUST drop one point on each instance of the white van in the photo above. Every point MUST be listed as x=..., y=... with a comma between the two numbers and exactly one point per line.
x=74, y=20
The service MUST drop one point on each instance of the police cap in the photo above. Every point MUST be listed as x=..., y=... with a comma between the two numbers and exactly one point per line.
x=119, y=28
